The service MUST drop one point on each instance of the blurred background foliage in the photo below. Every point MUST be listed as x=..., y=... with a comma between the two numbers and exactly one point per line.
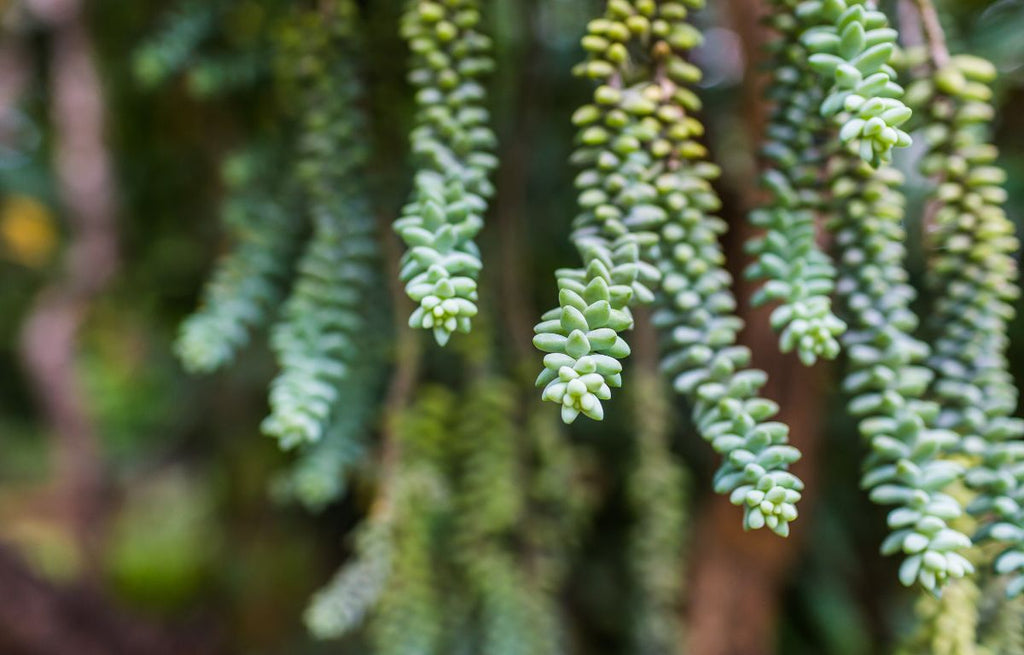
x=193, y=536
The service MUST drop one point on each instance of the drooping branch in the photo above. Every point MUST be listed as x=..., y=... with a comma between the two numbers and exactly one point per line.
x=453, y=144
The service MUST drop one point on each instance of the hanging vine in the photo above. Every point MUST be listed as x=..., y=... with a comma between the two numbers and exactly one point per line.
x=452, y=144
x=467, y=538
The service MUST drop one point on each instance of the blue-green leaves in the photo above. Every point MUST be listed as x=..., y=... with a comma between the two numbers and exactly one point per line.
x=620, y=134
x=441, y=266
x=324, y=311
x=317, y=338
x=344, y=603
x=797, y=273
x=888, y=382
x=451, y=144
x=852, y=46
x=443, y=550
x=974, y=273
x=801, y=276
x=581, y=336
x=696, y=315
x=249, y=281
x=646, y=216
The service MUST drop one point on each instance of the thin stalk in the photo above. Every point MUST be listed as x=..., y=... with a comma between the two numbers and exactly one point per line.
x=934, y=36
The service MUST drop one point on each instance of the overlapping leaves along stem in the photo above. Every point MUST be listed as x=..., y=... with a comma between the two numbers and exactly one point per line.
x=796, y=272
x=851, y=46
x=696, y=311
x=617, y=211
x=888, y=380
x=316, y=339
x=646, y=213
x=974, y=275
x=830, y=66
x=249, y=281
x=452, y=149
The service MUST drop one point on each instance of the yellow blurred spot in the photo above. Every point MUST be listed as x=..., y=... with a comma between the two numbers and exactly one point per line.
x=27, y=231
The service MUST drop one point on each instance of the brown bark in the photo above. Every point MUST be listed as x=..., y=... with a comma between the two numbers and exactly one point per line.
x=50, y=335
x=738, y=577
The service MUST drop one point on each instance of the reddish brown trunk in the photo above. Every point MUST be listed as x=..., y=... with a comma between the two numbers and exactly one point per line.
x=738, y=577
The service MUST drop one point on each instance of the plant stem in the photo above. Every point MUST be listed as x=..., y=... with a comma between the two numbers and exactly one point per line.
x=934, y=36
x=407, y=353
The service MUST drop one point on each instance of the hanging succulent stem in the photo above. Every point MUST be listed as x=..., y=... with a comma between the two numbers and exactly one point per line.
x=851, y=47
x=973, y=273
x=349, y=598
x=831, y=65
x=696, y=309
x=316, y=339
x=796, y=271
x=886, y=377
x=616, y=213
x=450, y=500
x=248, y=282
x=452, y=146
x=646, y=212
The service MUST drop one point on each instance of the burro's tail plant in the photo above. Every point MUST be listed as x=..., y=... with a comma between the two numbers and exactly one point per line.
x=646, y=217
x=887, y=378
x=796, y=271
x=973, y=273
x=831, y=80
x=851, y=45
x=467, y=526
x=316, y=338
x=451, y=145
x=847, y=47
x=322, y=313
x=248, y=282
